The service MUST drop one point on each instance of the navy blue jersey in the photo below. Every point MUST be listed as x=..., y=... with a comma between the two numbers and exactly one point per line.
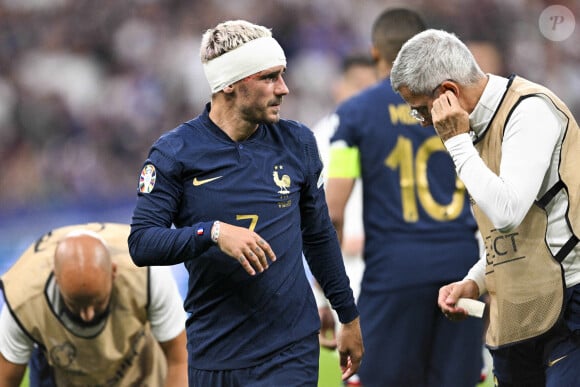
x=416, y=214
x=270, y=183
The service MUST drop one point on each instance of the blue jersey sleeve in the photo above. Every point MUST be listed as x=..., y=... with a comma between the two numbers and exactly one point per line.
x=320, y=242
x=152, y=240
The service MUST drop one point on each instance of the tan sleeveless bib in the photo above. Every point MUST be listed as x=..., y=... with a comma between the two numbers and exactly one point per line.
x=124, y=353
x=525, y=281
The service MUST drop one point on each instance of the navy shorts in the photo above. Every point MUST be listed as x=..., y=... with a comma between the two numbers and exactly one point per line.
x=296, y=365
x=409, y=342
x=550, y=360
x=41, y=373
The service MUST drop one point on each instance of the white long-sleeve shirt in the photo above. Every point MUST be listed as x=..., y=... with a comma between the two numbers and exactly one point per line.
x=529, y=167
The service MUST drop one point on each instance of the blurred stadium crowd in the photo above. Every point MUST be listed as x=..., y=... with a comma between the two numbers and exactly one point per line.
x=86, y=86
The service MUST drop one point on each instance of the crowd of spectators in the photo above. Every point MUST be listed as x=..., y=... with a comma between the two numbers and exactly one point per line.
x=86, y=86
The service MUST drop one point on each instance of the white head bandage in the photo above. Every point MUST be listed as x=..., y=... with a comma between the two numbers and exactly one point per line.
x=249, y=58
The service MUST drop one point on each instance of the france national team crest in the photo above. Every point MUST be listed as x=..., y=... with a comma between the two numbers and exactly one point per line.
x=147, y=179
x=282, y=182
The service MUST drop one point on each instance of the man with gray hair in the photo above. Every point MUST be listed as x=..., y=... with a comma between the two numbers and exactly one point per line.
x=516, y=146
x=236, y=194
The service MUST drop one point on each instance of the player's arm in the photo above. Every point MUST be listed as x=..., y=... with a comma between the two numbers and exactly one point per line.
x=167, y=319
x=338, y=191
x=11, y=374
x=320, y=244
x=152, y=241
x=343, y=169
x=530, y=137
x=322, y=252
x=176, y=357
x=15, y=350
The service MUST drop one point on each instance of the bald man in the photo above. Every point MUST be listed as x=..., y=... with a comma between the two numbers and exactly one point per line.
x=89, y=316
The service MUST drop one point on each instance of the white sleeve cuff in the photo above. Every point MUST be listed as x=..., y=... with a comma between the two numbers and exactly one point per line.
x=166, y=305
x=477, y=274
x=321, y=300
x=15, y=345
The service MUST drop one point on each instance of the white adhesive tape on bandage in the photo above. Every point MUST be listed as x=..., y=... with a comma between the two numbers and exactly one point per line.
x=473, y=308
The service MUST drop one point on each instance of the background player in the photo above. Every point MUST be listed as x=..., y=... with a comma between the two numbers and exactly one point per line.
x=419, y=232
x=357, y=72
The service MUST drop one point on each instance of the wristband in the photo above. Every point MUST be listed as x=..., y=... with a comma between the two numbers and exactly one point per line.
x=215, y=231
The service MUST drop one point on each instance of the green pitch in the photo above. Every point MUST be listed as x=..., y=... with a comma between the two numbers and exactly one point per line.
x=25, y=380
x=329, y=372
x=330, y=375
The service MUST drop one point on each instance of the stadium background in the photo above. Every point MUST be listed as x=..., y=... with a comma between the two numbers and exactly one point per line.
x=86, y=86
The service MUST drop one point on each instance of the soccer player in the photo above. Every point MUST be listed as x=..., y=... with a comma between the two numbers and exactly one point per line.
x=516, y=147
x=357, y=72
x=81, y=313
x=419, y=231
x=244, y=192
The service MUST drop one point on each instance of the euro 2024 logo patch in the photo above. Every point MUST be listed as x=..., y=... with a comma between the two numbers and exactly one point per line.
x=147, y=179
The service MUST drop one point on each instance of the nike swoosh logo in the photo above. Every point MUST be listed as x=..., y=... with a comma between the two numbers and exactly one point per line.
x=197, y=183
x=553, y=362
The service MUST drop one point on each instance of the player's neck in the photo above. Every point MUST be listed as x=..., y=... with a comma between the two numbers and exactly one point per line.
x=383, y=69
x=231, y=123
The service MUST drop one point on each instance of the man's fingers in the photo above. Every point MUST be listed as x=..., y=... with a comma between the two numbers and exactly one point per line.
x=344, y=361
x=267, y=250
x=261, y=256
x=246, y=265
x=255, y=261
x=451, y=97
x=256, y=256
x=348, y=365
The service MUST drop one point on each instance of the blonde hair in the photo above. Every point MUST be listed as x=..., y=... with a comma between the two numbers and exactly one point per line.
x=229, y=35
